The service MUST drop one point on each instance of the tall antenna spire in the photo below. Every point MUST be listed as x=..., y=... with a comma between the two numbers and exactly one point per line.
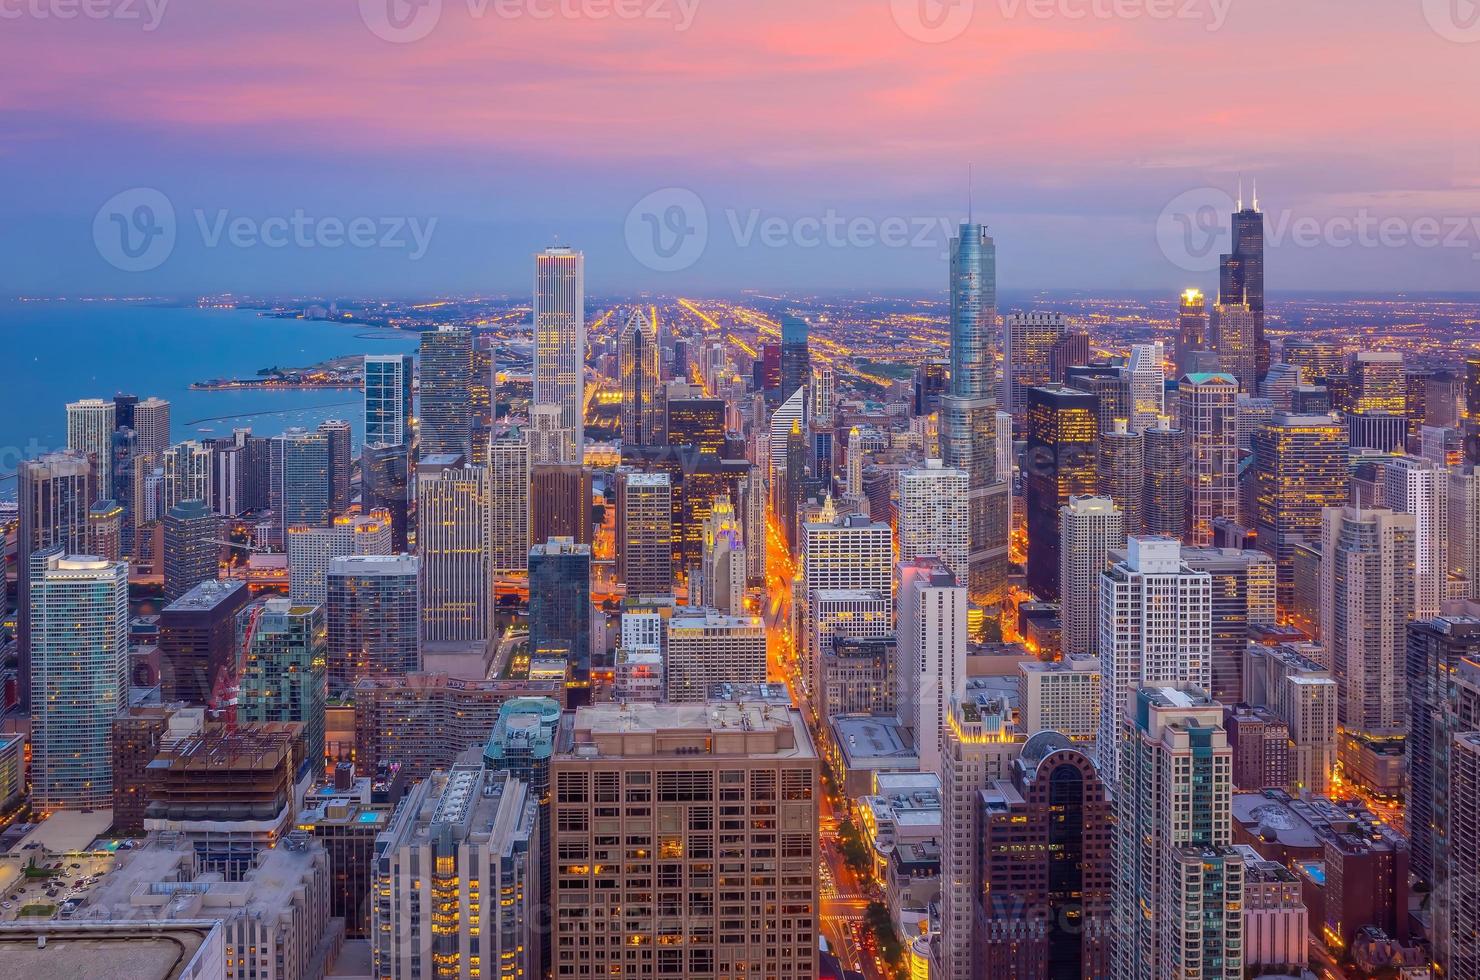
x=968, y=194
x=1256, y=193
x=1240, y=193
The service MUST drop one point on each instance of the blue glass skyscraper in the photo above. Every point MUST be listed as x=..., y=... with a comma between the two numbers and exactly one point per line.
x=388, y=400
x=974, y=334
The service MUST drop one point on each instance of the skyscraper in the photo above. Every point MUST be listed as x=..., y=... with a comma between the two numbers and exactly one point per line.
x=388, y=405
x=1089, y=528
x=152, y=423
x=311, y=550
x=341, y=460
x=705, y=648
x=1377, y=382
x=1316, y=359
x=796, y=365
x=934, y=516
x=453, y=542
x=548, y=440
x=508, y=490
x=283, y=670
x=192, y=553
x=1164, y=510
x=1300, y=469
x=645, y=532
x=560, y=341
x=90, y=426
x=1148, y=385
x=302, y=492
x=559, y=502
x=932, y=653
x=1192, y=330
x=1156, y=627
x=723, y=570
x=373, y=621
x=1058, y=464
x=1243, y=596
x=445, y=418
x=968, y=429
x=1120, y=472
x=1464, y=528
x=1207, y=418
x=1418, y=487
x=55, y=493
x=1367, y=595
x=1178, y=881
x=1235, y=338
x=198, y=644
x=1029, y=340
x=560, y=610
x=79, y=675
x=1241, y=275
x=755, y=757
x=637, y=351
x=385, y=486
x=1047, y=877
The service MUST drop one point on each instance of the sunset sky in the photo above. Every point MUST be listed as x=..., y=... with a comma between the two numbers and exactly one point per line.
x=512, y=124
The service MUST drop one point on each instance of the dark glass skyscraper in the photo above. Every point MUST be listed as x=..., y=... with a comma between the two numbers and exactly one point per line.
x=560, y=610
x=796, y=364
x=1058, y=463
x=1241, y=273
x=446, y=418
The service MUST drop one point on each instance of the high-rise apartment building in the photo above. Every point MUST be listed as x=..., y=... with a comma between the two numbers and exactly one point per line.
x=1236, y=331
x=1164, y=505
x=373, y=618
x=198, y=644
x=1367, y=594
x=312, y=550
x=152, y=423
x=1296, y=690
x=1300, y=469
x=1178, y=880
x=341, y=461
x=736, y=890
x=706, y=648
x=90, y=426
x=1464, y=529
x=1156, y=628
x=457, y=880
x=453, y=542
x=192, y=551
x=385, y=485
x=79, y=676
x=1207, y=418
x=56, y=492
x=560, y=342
x=1243, y=597
x=1377, y=382
x=283, y=670
x=508, y=489
x=445, y=421
x=1061, y=696
x=302, y=490
x=1089, y=528
x=856, y=613
x=932, y=638
x=1420, y=488
x=1192, y=330
x=1028, y=343
x=645, y=532
x=1120, y=471
x=388, y=403
x=934, y=516
x=1059, y=463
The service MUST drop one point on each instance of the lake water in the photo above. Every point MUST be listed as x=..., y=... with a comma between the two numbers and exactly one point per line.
x=54, y=353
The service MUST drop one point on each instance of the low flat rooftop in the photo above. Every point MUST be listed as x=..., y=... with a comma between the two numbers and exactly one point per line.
x=147, y=952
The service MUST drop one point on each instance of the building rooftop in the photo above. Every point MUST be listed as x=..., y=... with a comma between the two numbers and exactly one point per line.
x=65, y=951
x=719, y=728
x=207, y=595
x=869, y=740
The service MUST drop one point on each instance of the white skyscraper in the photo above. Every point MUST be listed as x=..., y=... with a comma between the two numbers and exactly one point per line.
x=388, y=392
x=311, y=550
x=152, y=424
x=1148, y=385
x=1089, y=527
x=822, y=395
x=931, y=674
x=724, y=558
x=857, y=613
x=1464, y=528
x=1156, y=628
x=560, y=341
x=1419, y=487
x=934, y=516
x=79, y=677
x=90, y=431
x=1209, y=422
x=792, y=412
x=705, y=647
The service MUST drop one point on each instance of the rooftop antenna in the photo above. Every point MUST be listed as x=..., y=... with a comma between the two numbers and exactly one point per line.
x=1240, y=192
x=1256, y=193
x=968, y=193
